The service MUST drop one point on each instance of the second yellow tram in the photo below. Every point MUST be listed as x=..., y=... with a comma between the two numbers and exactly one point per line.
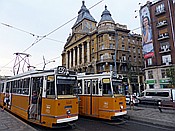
x=99, y=96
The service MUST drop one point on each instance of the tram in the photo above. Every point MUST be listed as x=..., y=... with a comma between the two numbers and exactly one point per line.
x=56, y=104
x=99, y=96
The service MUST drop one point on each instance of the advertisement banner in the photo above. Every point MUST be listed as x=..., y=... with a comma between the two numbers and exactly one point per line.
x=147, y=43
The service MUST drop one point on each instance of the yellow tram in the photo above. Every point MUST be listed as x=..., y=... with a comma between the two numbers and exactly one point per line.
x=99, y=97
x=56, y=104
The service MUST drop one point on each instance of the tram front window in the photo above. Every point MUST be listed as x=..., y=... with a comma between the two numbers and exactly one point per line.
x=107, y=88
x=65, y=86
x=115, y=87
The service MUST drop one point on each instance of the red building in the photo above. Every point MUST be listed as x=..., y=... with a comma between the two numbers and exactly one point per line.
x=158, y=40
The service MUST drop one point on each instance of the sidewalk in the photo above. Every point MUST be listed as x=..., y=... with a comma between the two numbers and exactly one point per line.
x=8, y=122
x=152, y=115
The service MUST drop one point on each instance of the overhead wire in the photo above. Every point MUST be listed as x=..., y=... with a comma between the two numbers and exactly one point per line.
x=39, y=38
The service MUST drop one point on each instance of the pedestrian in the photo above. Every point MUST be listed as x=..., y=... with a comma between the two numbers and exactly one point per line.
x=6, y=101
x=33, y=105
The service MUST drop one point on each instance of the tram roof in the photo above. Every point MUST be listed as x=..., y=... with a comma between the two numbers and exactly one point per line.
x=31, y=72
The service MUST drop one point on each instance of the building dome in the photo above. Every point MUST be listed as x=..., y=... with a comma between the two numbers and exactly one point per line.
x=106, y=16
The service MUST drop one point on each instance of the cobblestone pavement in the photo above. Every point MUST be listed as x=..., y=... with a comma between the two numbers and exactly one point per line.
x=152, y=115
x=8, y=122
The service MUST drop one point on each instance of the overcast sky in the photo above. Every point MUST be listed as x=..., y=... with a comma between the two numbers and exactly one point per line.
x=41, y=17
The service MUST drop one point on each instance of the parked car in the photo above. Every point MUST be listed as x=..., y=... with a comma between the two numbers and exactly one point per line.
x=134, y=100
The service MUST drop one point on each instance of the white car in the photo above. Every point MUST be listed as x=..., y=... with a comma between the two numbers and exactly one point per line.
x=134, y=100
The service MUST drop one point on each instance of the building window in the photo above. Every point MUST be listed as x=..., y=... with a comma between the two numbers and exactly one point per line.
x=111, y=67
x=150, y=74
x=110, y=46
x=135, y=60
x=123, y=47
x=111, y=37
x=102, y=67
x=160, y=8
x=164, y=47
x=92, y=43
x=129, y=48
x=92, y=50
x=102, y=46
x=101, y=57
x=123, y=57
x=164, y=74
x=166, y=59
x=139, y=50
x=150, y=62
x=134, y=50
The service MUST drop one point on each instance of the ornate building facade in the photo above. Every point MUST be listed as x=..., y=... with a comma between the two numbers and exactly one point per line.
x=104, y=46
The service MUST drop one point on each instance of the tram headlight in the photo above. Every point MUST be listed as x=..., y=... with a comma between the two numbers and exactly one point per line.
x=68, y=112
x=121, y=107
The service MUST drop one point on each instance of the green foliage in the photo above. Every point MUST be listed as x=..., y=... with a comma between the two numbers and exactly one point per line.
x=171, y=74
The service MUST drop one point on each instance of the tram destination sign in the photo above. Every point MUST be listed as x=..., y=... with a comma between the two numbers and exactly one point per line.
x=62, y=70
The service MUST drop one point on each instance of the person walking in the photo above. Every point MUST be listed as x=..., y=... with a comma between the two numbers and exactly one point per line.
x=6, y=101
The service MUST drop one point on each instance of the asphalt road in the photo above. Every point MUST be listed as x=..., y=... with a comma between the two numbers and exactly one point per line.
x=89, y=124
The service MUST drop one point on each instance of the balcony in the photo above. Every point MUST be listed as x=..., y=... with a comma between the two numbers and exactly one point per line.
x=165, y=49
x=105, y=59
x=161, y=23
x=163, y=36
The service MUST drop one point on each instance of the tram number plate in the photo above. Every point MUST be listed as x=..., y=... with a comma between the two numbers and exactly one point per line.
x=62, y=70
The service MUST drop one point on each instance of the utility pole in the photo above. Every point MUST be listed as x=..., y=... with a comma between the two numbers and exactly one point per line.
x=116, y=48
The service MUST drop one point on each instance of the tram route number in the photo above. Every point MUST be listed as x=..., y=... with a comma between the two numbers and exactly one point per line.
x=62, y=70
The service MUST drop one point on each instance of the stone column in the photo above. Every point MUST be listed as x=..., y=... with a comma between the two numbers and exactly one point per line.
x=82, y=53
x=67, y=60
x=70, y=60
x=78, y=55
x=74, y=57
x=88, y=52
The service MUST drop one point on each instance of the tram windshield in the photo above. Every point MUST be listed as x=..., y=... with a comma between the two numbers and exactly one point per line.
x=65, y=85
x=106, y=86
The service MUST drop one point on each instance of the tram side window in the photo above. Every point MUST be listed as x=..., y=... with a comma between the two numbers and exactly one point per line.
x=50, y=89
x=79, y=86
x=1, y=87
x=95, y=86
x=25, y=86
x=7, y=87
x=19, y=83
x=13, y=87
x=87, y=85
x=37, y=83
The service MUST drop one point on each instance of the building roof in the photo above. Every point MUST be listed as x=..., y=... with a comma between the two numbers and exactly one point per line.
x=106, y=16
x=83, y=13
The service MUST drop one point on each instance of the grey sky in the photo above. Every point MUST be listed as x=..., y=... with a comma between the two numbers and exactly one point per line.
x=43, y=16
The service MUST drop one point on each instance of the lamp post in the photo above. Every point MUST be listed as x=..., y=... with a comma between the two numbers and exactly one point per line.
x=115, y=56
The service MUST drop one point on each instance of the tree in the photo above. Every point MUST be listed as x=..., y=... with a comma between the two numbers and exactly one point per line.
x=171, y=75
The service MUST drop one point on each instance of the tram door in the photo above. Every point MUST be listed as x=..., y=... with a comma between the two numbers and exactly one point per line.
x=36, y=86
x=91, y=101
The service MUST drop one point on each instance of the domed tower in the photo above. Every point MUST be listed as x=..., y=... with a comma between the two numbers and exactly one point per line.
x=85, y=22
x=106, y=23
